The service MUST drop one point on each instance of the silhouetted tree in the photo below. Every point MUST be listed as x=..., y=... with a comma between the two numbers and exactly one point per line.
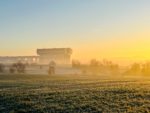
x=146, y=68
x=2, y=68
x=94, y=66
x=19, y=67
x=76, y=64
x=114, y=68
x=12, y=69
x=51, y=69
x=135, y=68
x=52, y=63
x=94, y=63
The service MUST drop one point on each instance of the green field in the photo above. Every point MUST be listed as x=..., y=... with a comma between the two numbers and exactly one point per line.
x=74, y=93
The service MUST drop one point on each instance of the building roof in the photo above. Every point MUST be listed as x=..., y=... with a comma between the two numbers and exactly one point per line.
x=54, y=51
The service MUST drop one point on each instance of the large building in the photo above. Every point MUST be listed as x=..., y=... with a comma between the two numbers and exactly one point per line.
x=57, y=55
x=61, y=56
x=15, y=59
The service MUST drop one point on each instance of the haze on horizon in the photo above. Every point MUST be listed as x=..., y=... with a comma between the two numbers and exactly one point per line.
x=92, y=28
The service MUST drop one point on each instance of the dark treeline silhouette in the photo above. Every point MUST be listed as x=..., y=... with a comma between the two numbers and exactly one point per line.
x=93, y=67
x=96, y=67
x=51, y=68
x=139, y=69
x=20, y=67
x=17, y=67
x=2, y=68
x=108, y=67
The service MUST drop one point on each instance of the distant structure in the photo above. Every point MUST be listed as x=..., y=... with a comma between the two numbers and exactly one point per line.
x=59, y=56
x=15, y=59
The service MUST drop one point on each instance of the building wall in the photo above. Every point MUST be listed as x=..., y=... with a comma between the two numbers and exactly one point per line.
x=23, y=59
x=61, y=56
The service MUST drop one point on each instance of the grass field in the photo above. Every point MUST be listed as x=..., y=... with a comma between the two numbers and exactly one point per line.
x=74, y=93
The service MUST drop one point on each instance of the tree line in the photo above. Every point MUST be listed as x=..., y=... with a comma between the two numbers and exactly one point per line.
x=108, y=67
x=14, y=68
x=20, y=67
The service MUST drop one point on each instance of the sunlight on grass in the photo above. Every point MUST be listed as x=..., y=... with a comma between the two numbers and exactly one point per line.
x=42, y=94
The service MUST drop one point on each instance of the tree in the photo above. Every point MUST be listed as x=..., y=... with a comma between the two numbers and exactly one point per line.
x=94, y=66
x=135, y=68
x=94, y=63
x=2, y=68
x=12, y=69
x=52, y=63
x=76, y=64
x=146, y=69
x=51, y=70
x=19, y=67
x=114, y=68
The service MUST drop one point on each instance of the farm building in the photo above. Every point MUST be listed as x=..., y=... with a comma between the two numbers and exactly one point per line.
x=61, y=56
x=57, y=55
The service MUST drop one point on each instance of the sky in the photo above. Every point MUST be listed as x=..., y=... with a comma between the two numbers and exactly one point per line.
x=111, y=29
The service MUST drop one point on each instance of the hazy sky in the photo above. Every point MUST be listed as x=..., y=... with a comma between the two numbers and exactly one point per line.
x=93, y=28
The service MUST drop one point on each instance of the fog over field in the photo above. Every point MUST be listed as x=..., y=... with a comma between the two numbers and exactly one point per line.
x=74, y=93
x=74, y=56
